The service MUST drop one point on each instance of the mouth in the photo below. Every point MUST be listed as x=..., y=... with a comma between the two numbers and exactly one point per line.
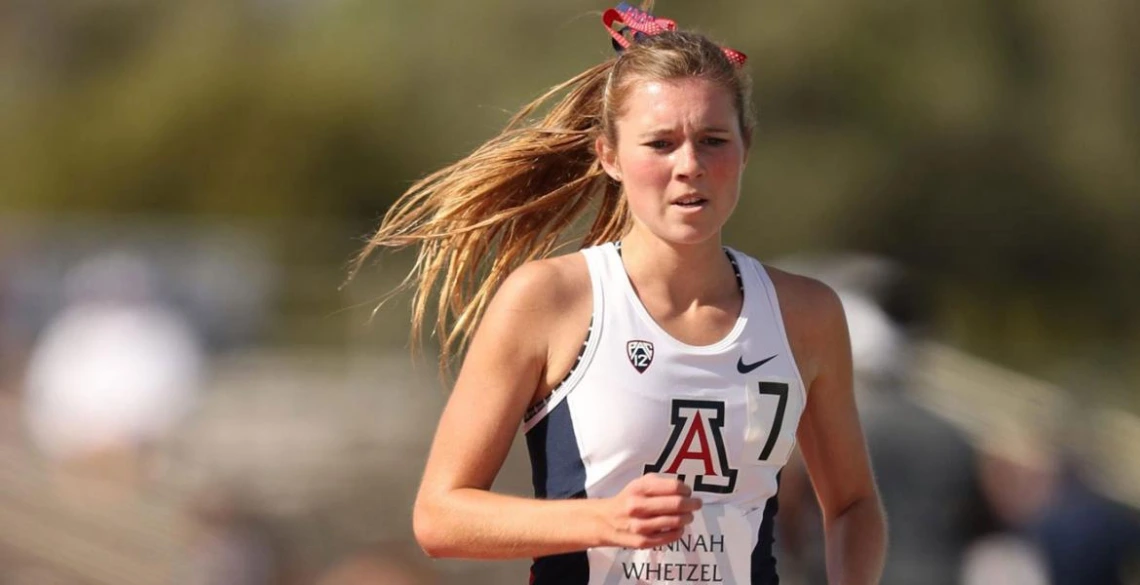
x=690, y=201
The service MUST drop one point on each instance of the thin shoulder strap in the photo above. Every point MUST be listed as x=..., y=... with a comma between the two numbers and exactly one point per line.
x=596, y=265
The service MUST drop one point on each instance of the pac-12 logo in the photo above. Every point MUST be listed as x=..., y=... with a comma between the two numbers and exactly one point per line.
x=640, y=354
x=696, y=447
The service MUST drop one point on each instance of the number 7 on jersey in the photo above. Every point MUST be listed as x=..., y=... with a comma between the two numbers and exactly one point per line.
x=779, y=390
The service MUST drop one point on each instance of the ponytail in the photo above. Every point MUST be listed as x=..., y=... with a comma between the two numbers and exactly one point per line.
x=510, y=201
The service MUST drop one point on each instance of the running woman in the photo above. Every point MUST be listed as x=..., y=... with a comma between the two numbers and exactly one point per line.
x=661, y=378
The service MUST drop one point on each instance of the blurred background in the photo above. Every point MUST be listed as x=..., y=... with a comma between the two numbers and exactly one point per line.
x=189, y=396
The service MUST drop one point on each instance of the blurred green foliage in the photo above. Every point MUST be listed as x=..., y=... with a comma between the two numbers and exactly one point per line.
x=992, y=147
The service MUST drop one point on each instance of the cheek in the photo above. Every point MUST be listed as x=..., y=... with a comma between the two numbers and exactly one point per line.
x=726, y=168
x=643, y=168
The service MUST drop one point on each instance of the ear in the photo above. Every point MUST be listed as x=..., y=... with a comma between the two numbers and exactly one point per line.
x=747, y=136
x=607, y=154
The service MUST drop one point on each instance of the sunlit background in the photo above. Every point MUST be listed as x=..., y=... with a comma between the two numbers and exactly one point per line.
x=189, y=396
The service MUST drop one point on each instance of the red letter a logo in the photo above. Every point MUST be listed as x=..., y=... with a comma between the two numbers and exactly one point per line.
x=697, y=434
x=696, y=447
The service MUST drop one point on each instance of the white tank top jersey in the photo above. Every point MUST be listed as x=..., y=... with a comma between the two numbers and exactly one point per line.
x=722, y=418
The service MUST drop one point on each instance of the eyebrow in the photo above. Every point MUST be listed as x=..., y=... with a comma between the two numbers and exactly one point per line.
x=668, y=131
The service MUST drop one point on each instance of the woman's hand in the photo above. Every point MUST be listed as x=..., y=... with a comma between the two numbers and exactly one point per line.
x=652, y=510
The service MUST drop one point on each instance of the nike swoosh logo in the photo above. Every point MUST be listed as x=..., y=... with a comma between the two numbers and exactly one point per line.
x=744, y=368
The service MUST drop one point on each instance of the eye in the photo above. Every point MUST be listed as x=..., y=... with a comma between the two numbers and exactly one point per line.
x=714, y=141
x=658, y=144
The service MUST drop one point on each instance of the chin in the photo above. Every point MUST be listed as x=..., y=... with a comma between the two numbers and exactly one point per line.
x=688, y=235
x=688, y=231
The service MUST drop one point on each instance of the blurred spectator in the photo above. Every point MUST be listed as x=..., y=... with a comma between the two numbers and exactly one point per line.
x=1087, y=538
x=387, y=564
x=231, y=545
x=1003, y=559
x=1017, y=474
x=1016, y=478
x=114, y=372
x=1049, y=515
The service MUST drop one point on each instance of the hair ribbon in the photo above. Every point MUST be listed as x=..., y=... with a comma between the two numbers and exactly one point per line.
x=634, y=24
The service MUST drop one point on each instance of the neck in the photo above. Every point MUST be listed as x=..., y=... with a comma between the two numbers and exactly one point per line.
x=684, y=273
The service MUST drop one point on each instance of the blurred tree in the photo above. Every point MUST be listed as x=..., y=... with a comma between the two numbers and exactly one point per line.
x=991, y=146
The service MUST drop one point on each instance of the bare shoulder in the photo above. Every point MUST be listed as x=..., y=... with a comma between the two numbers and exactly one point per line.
x=544, y=308
x=803, y=293
x=546, y=284
x=813, y=317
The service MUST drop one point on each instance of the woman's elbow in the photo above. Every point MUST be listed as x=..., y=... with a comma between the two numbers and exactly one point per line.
x=870, y=515
x=428, y=529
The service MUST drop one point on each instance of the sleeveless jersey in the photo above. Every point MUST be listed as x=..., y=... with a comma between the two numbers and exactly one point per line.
x=721, y=418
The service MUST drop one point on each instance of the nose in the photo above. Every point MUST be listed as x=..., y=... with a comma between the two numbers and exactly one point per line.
x=687, y=162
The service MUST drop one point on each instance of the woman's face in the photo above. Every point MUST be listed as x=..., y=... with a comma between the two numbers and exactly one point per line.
x=679, y=157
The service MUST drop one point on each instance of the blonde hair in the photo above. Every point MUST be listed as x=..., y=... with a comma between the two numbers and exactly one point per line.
x=513, y=198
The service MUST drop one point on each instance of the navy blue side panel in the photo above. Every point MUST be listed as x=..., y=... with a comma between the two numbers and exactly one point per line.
x=556, y=466
x=567, y=569
x=763, y=561
x=557, y=473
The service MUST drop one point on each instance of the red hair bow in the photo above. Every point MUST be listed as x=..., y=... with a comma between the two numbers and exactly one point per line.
x=634, y=24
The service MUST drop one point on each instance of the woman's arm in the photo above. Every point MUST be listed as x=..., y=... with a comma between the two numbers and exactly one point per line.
x=455, y=513
x=834, y=450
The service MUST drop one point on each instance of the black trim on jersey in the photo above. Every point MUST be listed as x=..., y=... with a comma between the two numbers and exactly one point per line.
x=763, y=561
x=735, y=270
x=532, y=411
x=731, y=260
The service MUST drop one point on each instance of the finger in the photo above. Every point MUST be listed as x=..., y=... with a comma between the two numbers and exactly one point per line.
x=661, y=485
x=654, y=540
x=648, y=507
x=657, y=524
